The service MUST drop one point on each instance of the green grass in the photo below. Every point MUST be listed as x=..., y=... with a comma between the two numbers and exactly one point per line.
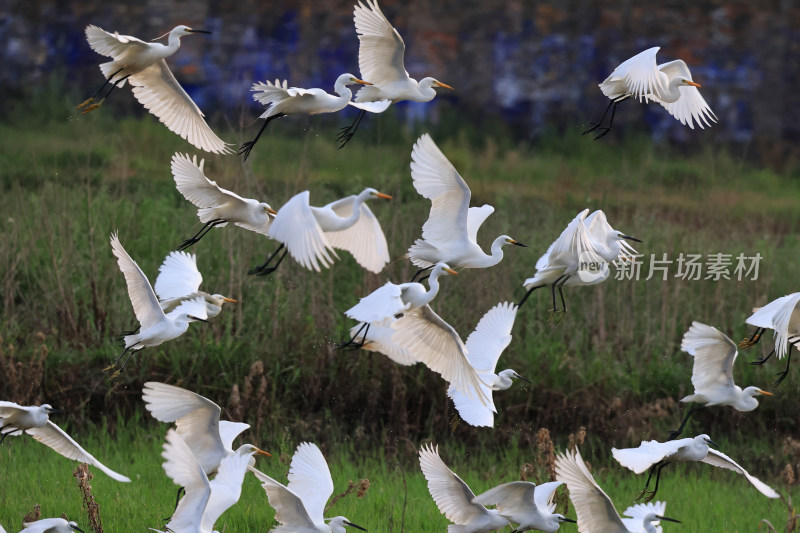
x=702, y=497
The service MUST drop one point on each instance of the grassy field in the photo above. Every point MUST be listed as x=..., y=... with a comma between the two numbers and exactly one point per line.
x=702, y=497
x=612, y=364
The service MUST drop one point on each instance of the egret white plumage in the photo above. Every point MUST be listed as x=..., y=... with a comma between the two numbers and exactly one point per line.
x=454, y=498
x=299, y=506
x=526, y=504
x=311, y=234
x=782, y=316
x=142, y=64
x=712, y=374
x=669, y=84
x=179, y=280
x=594, y=508
x=381, y=54
x=483, y=348
x=35, y=421
x=217, y=206
x=644, y=517
x=579, y=256
x=155, y=326
x=282, y=100
x=50, y=525
x=654, y=455
x=420, y=331
x=450, y=233
x=205, y=501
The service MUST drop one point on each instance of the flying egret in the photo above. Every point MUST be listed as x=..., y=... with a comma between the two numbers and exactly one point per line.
x=50, y=525
x=594, y=508
x=782, y=316
x=669, y=84
x=454, y=498
x=579, y=256
x=311, y=233
x=655, y=456
x=155, y=326
x=205, y=501
x=299, y=506
x=179, y=280
x=380, y=60
x=142, y=64
x=217, y=206
x=282, y=100
x=712, y=374
x=450, y=233
x=34, y=420
x=526, y=504
x=420, y=331
x=484, y=346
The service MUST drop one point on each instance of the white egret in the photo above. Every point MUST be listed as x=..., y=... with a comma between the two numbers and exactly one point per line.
x=205, y=501
x=155, y=326
x=217, y=206
x=712, y=374
x=421, y=332
x=526, y=504
x=197, y=420
x=34, y=420
x=142, y=64
x=639, y=518
x=782, y=316
x=454, y=498
x=579, y=256
x=50, y=525
x=311, y=233
x=179, y=280
x=483, y=348
x=299, y=506
x=656, y=455
x=381, y=54
x=669, y=84
x=282, y=100
x=594, y=508
x=450, y=233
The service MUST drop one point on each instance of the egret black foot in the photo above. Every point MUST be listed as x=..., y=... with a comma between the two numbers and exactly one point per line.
x=85, y=103
x=781, y=376
x=245, y=149
x=747, y=342
x=594, y=126
x=759, y=362
x=91, y=107
x=258, y=271
x=603, y=134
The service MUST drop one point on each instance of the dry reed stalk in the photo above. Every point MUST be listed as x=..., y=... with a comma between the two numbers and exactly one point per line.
x=361, y=489
x=83, y=476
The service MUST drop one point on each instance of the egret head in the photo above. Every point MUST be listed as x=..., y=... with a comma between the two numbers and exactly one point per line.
x=49, y=409
x=619, y=236
x=443, y=268
x=437, y=83
x=369, y=192
x=245, y=449
x=266, y=209
x=755, y=391
x=686, y=81
x=705, y=439
x=220, y=299
x=348, y=79
x=511, y=374
x=508, y=240
x=561, y=519
x=338, y=523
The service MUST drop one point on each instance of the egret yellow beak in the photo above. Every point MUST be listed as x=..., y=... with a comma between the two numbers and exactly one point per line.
x=440, y=84
x=229, y=300
x=765, y=393
x=381, y=195
x=271, y=211
x=693, y=84
x=262, y=452
x=451, y=271
x=362, y=82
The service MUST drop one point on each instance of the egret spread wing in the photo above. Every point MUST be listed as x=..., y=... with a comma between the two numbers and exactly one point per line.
x=182, y=467
x=453, y=497
x=647, y=453
x=196, y=308
x=160, y=93
x=717, y=458
x=379, y=339
x=196, y=418
x=714, y=354
x=691, y=106
x=45, y=525
x=377, y=106
x=145, y=304
x=781, y=321
x=111, y=44
x=476, y=216
x=572, y=244
x=10, y=409
x=56, y=438
x=384, y=302
x=178, y=276
x=226, y=487
x=640, y=75
x=491, y=336
x=510, y=498
x=436, y=179
x=289, y=507
x=310, y=479
x=364, y=239
x=472, y=409
x=297, y=228
x=228, y=431
x=637, y=512
x=543, y=495
x=435, y=343
x=764, y=317
x=381, y=49
x=594, y=508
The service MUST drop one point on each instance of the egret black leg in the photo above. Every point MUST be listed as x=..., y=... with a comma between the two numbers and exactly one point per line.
x=264, y=269
x=352, y=344
x=346, y=133
x=420, y=271
x=133, y=331
x=93, y=106
x=200, y=234
x=91, y=98
x=782, y=375
x=651, y=494
x=561, y=293
x=248, y=146
x=528, y=294
x=3, y=437
x=612, y=105
x=752, y=339
x=676, y=432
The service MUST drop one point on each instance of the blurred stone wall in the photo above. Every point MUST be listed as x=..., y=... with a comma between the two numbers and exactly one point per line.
x=534, y=63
